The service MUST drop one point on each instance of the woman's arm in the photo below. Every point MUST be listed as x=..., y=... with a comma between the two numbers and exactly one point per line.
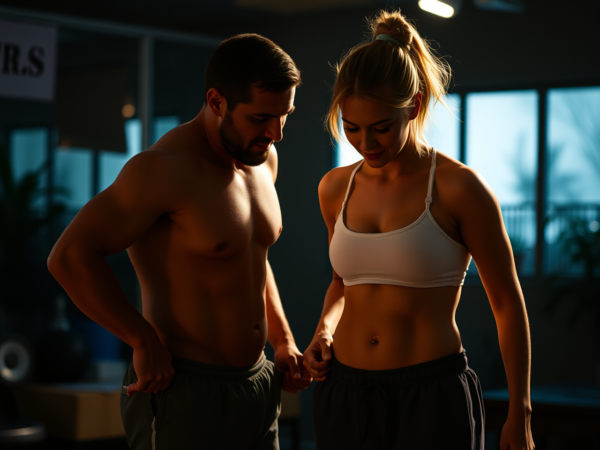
x=482, y=229
x=318, y=353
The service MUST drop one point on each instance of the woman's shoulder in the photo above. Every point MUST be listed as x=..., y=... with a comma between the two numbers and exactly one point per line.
x=335, y=182
x=332, y=190
x=459, y=183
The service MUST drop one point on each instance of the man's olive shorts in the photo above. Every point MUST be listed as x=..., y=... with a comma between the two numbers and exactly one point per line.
x=206, y=407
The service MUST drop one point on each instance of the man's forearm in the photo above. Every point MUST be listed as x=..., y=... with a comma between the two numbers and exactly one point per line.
x=279, y=328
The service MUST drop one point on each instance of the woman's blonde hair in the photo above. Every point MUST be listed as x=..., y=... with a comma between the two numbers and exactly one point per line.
x=392, y=74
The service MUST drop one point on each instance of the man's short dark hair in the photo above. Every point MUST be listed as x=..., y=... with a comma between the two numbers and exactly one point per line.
x=245, y=59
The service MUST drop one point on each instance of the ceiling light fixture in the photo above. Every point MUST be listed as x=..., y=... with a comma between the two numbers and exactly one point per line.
x=437, y=7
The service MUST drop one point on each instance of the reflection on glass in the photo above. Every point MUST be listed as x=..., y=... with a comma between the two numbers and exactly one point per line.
x=444, y=130
x=502, y=146
x=73, y=170
x=573, y=167
x=28, y=153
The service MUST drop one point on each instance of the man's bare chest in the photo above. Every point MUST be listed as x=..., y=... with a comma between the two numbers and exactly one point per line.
x=225, y=218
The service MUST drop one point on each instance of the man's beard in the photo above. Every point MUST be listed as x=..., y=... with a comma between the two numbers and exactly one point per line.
x=234, y=144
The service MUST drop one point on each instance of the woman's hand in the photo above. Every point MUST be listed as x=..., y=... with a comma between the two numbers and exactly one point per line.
x=318, y=355
x=288, y=359
x=516, y=434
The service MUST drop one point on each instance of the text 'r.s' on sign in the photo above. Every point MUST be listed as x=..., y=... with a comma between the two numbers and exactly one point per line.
x=27, y=61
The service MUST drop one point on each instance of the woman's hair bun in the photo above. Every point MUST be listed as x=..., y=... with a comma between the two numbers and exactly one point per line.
x=392, y=23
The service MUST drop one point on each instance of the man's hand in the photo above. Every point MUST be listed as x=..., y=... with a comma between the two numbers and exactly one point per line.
x=516, y=434
x=318, y=355
x=288, y=359
x=152, y=365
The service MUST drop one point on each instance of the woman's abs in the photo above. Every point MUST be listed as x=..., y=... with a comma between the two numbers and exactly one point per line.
x=388, y=327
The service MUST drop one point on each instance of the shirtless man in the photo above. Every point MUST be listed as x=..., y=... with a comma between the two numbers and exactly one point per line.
x=197, y=213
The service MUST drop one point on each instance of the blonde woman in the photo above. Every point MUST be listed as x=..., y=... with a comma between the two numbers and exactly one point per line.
x=403, y=225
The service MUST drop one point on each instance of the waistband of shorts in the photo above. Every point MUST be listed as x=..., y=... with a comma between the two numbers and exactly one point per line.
x=446, y=366
x=202, y=370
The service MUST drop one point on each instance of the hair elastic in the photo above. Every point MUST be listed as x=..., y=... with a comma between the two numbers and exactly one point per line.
x=387, y=37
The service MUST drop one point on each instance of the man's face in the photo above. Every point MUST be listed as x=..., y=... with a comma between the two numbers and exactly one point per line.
x=248, y=131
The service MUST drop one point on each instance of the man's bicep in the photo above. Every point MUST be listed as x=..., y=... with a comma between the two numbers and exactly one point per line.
x=108, y=226
x=118, y=216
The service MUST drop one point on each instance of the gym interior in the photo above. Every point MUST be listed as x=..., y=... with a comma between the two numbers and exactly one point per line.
x=524, y=111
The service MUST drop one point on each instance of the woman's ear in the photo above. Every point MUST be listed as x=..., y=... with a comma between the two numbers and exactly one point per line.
x=216, y=102
x=416, y=106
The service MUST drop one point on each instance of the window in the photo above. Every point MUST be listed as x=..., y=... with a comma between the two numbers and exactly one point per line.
x=502, y=145
x=443, y=133
x=573, y=168
x=28, y=153
x=164, y=124
x=73, y=171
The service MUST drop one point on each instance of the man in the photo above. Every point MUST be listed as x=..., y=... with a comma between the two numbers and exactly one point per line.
x=197, y=213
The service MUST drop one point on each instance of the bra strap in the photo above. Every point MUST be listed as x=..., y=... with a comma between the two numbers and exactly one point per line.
x=431, y=178
x=351, y=180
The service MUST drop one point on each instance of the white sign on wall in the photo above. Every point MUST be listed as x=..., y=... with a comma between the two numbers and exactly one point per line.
x=27, y=61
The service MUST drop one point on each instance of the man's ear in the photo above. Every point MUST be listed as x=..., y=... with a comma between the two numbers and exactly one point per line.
x=417, y=106
x=216, y=102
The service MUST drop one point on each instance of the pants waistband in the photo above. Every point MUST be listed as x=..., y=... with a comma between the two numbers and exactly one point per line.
x=202, y=370
x=446, y=366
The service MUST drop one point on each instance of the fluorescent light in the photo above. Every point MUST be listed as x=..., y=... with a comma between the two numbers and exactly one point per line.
x=436, y=7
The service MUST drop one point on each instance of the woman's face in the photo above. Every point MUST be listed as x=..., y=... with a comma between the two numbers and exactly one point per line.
x=377, y=131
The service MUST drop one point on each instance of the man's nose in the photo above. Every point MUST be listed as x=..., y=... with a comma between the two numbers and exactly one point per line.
x=275, y=130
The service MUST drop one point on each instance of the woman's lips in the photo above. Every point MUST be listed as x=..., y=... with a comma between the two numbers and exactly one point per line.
x=372, y=156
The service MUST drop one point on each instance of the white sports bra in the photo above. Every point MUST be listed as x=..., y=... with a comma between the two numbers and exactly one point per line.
x=419, y=255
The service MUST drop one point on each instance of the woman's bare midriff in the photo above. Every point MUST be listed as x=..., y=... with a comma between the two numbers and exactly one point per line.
x=389, y=327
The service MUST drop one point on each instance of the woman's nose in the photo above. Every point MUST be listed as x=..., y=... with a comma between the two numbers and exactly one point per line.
x=367, y=142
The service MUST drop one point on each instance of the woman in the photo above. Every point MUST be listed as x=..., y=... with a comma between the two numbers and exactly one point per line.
x=403, y=225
